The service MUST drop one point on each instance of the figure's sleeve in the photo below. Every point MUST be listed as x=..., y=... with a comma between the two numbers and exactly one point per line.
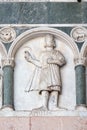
x=58, y=59
x=61, y=58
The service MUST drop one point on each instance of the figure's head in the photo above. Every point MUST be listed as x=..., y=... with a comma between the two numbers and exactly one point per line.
x=49, y=41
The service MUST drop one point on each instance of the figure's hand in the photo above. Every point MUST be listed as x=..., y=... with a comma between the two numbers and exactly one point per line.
x=62, y=60
x=28, y=56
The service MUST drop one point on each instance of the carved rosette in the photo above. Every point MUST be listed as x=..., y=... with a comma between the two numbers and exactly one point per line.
x=79, y=34
x=8, y=62
x=80, y=61
x=7, y=34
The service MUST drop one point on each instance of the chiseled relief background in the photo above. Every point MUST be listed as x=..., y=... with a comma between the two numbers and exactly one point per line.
x=23, y=71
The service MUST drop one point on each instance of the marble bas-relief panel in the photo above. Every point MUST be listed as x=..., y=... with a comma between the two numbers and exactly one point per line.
x=24, y=98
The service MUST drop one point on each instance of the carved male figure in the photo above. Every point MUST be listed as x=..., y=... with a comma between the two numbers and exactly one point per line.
x=48, y=65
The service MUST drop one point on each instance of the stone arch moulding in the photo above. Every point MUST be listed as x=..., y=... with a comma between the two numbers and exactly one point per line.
x=83, y=52
x=20, y=40
x=3, y=50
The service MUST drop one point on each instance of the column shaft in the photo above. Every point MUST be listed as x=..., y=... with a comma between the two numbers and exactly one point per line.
x=80, y=85
x=8, y=86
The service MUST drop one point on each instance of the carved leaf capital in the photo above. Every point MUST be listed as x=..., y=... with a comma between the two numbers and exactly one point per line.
x=80, y=61
x=8, y=62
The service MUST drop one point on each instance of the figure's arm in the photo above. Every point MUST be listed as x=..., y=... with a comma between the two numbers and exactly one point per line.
x=59, y=60
x=34, y=61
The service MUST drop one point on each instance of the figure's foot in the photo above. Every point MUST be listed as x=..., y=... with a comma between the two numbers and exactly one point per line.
x=39, y=111
x=58, y=109
x=55, y=109
x=42, y=108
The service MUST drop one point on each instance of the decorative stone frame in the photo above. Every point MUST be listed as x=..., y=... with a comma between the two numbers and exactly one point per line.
x=83, y=52
x=40, y=31
x=32, y=33
x=3, y=50
x=20, y=40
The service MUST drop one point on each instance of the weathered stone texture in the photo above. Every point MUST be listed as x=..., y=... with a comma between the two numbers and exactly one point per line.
x=14, y=123
x=42, y=13
x=43, y=123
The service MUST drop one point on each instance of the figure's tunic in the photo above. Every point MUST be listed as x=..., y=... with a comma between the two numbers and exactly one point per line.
x=50, y=73
x=48, y=76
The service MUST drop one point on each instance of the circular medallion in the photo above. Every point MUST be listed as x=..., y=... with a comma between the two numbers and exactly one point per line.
x=79, y=34
x=7, y=34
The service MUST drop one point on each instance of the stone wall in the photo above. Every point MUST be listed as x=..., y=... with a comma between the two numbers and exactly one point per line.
x=24, y=27
x=22, y=13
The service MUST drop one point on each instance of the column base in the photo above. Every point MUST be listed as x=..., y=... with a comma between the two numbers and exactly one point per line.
x=81, y=107
x=7, y=108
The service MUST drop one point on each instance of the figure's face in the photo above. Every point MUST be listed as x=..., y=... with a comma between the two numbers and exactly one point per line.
x=50, y=42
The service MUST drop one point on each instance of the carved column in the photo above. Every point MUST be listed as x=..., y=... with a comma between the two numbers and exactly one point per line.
x=8, y=68
x=80, y=81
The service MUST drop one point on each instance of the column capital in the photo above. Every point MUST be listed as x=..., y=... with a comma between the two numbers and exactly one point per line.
x=80, y=61
x=8, y=62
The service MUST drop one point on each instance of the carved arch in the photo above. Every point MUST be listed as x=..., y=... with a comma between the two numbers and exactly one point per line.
x=20, y=40
x=3, y=50
x=83, y=52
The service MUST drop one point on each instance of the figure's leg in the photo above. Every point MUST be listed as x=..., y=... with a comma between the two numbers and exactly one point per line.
x=45, y=96
x=45, y=101
x=54, y=99
x=54, y=96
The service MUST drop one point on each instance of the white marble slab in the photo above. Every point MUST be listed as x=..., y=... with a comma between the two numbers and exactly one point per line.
x=23, y=71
